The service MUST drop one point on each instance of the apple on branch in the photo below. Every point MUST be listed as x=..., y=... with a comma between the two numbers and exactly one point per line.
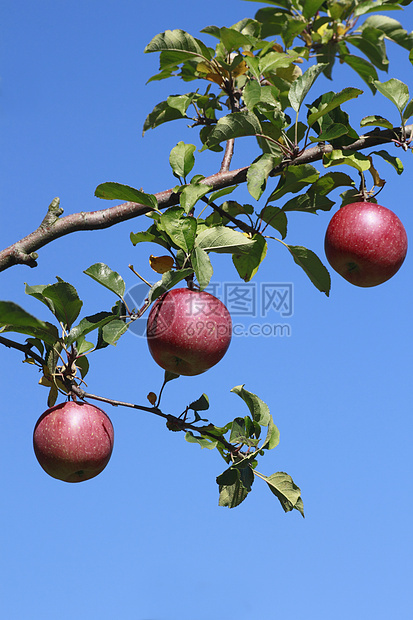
x=73, y=441
x=365, y=243
x=188, y=331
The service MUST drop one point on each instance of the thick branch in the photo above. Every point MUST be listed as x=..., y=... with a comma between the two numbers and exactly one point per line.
x=53, y=226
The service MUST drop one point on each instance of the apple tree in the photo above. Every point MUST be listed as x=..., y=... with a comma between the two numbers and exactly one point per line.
x=256, y=80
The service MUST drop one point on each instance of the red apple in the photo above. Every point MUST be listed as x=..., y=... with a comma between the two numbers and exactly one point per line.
x=365, y=243
x=188, y=331
x=73, y=441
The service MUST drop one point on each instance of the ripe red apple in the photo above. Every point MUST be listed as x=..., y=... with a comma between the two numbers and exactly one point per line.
x=188, y=331
x=365, y=243
x=73, y=441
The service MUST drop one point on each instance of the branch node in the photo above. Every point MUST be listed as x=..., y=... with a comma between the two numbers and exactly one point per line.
x=22, y=258
x=54, y=211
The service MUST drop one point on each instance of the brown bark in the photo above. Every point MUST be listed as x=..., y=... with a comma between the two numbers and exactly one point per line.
x=53, y=226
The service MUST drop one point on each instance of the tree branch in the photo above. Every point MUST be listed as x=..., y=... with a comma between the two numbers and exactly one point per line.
x=24, y=348
x=53, y=226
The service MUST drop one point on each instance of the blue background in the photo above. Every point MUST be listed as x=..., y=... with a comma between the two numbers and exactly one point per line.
x=146, y=539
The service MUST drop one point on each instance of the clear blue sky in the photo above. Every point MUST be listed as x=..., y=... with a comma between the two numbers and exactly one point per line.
x=146, y=540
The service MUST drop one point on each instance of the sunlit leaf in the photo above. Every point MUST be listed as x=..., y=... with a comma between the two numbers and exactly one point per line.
x=182, y=159
x=247, y=264
x=234, y=125
x=312, y=266
x=223, y=239
x=202, y=267
x=288, y=493
x=179, y=227
x=179, y=41
x=376, y=121
x=14, y=319
x=107, y=277
x=345, y=95
x=259, y=410
x=396, y=91
x=117, y=191
x=300, y=87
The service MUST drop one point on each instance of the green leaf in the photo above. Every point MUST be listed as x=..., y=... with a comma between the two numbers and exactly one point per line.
x=169, y=280
x=294, y=179
x=312, y=266
x=392, y=29
x=65, y=301
x=201, y=404
x=83, y=346
x=253, y=64
x=273, y=436
x=288, y=493
x=35, y=342
x=111, y=332
x=258, y=173
x=329, y=120
x=107, y=277
x=356, y=160
x=178, y=41
x=36, y=291
x=252, y=94
x=83, y=364
x=338, y=98
x=408, y=112
x=223, y=239
x=332, y=133
x=377, y=121
x=393, y=161
x=202, y=267
x=117, y=191
x=181, y=102
x=179, y=227
x=259, y=410
x=204, y=442
x=330, y=181
x=147, y=236
x=221, y=192
x=14, y=319
x=362, y=67
x=396, y=91
x=371, y=43
x=231, y=488
x=87, y=325
x=182, y=159
x=300, y=87
x=310, y=202
x=234, y=125
x=234, y=40
x=162, y=113
x=191, y=193
x=242, y=431
x=272, y=61
x=310, y=7
x=275, y=217
x=247, y=264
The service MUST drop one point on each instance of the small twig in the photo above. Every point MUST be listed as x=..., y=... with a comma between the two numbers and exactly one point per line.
x=139, y=276
x=176, y=421
x=24, y=348
x=229, y=151
x=241, y=225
